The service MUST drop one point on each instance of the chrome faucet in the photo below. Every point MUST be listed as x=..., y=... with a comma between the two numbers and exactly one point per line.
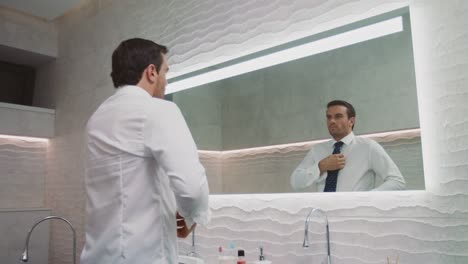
x=305, y=244
x=25, y=255
x=193, y=252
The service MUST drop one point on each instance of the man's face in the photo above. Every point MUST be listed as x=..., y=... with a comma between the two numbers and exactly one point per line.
x=338, y=123
x=161, y=81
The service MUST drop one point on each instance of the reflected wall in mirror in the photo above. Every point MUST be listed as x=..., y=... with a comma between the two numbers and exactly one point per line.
x=254, y=129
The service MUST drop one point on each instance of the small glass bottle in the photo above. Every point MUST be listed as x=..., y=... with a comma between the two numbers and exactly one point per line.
x=241, y=257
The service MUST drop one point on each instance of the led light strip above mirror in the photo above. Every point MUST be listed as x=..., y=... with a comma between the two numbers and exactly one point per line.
x=278, y=55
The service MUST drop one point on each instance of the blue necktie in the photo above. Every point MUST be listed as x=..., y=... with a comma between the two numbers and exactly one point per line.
x=332, y=176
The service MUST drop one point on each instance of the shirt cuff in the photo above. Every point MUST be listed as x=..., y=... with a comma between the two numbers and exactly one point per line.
x=200, y=219
x=315, y=170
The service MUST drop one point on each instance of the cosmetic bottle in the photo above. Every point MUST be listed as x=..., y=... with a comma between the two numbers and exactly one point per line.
x=225, y=259
x=241, y=257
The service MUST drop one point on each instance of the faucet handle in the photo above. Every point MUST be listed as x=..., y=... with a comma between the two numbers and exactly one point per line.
x=262, y=257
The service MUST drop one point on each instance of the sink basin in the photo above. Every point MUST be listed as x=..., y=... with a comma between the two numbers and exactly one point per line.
x=190, y=260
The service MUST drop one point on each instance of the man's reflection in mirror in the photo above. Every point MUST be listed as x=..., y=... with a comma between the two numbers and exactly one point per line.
x=346, y=162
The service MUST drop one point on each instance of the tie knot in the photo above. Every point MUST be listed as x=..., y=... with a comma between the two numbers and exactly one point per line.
x=338, y=146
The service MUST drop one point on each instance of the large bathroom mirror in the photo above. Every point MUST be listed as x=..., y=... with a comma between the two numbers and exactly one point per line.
x=253, y=129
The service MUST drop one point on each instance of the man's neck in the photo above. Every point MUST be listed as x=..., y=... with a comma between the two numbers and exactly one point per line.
x=146, y=87
x=340, y=138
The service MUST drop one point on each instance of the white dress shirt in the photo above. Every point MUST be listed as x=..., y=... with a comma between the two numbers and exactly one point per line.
x=142, y=167
x=365, y=160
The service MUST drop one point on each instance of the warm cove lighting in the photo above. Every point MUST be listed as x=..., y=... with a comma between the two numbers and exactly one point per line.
x=362, y=34
x=28, y=139
x=382, y=136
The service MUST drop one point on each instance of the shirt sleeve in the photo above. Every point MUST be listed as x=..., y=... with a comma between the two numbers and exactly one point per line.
x=386, y=169
x=169, y=140
x=308, y=172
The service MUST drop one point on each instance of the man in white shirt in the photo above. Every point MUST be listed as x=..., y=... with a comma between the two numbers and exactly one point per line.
x=143, y=167
x=346, y=162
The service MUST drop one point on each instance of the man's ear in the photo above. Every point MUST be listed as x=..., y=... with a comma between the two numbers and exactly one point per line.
x=151, y=73
x=353, y=120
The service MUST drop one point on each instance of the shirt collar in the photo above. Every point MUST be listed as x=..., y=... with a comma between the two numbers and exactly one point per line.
x=132, y=89
x=346, y=140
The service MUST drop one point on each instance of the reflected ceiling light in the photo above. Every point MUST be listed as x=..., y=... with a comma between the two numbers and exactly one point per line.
x=28, y=139
x=362, y=34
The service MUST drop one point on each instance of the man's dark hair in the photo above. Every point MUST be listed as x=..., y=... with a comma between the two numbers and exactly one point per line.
x=349, y=107
x=131, y=58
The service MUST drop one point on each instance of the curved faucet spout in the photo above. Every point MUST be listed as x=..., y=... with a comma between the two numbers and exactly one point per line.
x=193, y=252
x=25, y=255
x=305, y=243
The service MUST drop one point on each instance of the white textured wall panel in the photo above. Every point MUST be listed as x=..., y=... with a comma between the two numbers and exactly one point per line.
x=22, y=173
x=268, y=169
x=365, y=228
x=441, y=55
x=213, y=31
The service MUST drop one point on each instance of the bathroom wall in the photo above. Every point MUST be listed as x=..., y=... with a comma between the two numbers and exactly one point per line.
x=268, y=170
x=421, y=227
x=26, y=121
x=14, y=227
x=26, y=40
x=27, y=33
x=23, y=167
x=22, y=191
